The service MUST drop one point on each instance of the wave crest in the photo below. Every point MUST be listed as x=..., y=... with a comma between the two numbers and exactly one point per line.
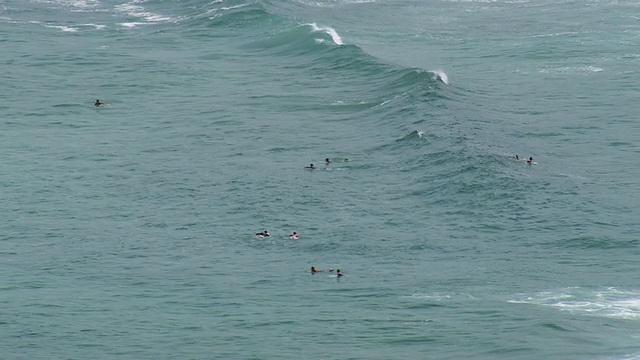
x=329, y=31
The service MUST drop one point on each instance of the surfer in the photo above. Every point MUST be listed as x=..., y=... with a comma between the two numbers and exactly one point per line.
x=97, y=103
x=310, y=166
x=529, y=160
x=294, y=236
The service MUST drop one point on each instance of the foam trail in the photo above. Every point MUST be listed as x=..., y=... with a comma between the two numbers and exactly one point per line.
x=63, y=28
x=610, y=302
x=329, y=31
x=440, y=75
x=98, y=27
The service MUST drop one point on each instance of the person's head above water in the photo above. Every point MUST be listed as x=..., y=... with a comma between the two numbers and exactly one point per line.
x=97, y=103
x=327, y=160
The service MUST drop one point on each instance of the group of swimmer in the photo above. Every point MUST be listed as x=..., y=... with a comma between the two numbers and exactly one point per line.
x=264, y=234
x=327, y=161
x=528, y=161
x=338, y=272
x=294, y=236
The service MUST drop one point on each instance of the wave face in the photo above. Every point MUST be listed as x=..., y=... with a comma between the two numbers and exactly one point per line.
x=130, y=229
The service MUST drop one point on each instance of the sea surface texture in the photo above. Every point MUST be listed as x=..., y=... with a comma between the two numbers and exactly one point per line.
x=128, y=230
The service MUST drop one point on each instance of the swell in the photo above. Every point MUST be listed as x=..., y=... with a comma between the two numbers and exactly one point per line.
x=268, y=29
x=412, y=115
x=211, y=19
x=409, y=113
x=370, y=90
x=323, y=49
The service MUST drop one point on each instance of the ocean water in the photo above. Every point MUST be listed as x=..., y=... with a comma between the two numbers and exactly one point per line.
x=128, y=229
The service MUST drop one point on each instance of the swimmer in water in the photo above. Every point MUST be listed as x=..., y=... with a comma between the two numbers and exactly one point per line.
x=530, y=160
x=328, y=161
x=314, y=270
x=97, y=103
x=294, y=236
x=262, y=234
x=310, y=166
x=517, y=158
x=339, y=273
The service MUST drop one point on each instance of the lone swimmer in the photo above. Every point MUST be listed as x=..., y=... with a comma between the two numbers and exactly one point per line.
x=98, y=103
x=294, y=236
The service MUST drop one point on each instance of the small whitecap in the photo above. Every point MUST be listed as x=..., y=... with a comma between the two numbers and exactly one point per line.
x=96, y=26
x=329, y=31
x=131, y=24
x=441, y=76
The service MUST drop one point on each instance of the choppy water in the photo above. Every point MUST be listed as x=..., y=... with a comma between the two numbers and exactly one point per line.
x=128, y=229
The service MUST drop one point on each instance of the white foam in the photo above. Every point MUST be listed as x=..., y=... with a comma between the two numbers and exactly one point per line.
x=440, y=75
x=329, y=31
x=98, y=27
x=608, y=302
x=438, y=297
x=226, y=8
x=591, y=68
x=131, y=24
x=345, y=103
x=63, y=28
x=385, y=102
x=572, y=70
x=80, y=4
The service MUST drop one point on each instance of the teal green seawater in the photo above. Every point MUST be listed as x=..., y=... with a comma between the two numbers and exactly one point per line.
x=128, y=230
